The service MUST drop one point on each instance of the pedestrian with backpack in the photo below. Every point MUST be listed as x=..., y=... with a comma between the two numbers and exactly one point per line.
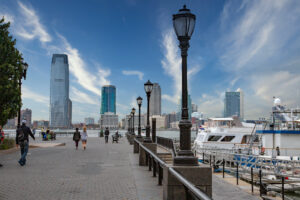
x=22, y=140
x=76, y=137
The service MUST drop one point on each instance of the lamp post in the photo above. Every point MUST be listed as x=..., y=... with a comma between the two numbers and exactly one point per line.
x=139, y=102
x=131, y=123
x=184, y=24
x=148, y=86
x=22, y=75
x=128, y=124
x=133, y=112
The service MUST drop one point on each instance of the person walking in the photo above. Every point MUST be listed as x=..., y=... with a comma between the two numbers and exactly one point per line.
x=106, y=133
x=84, y=138
x=22, y=139
x=76, y=137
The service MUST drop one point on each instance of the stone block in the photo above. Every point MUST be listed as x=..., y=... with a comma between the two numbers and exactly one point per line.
x=142, y=156
x=200, y=176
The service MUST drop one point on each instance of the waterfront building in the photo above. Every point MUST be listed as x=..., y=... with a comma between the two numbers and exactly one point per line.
x=26, y=115
x=174, y=125
x=108, y=99
x=60, y=104
x=169, y=119
x=40, y=124
x=160, y=121
x=109, y=120
x=234, y=104
x=155, y=100
x=136, y=121
x=178, y=114
x=89, y=120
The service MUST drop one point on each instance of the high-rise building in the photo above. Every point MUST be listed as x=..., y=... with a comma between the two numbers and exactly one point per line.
x=155, y=100
x=234, y=104
x=178, y=114
x=108, y=99
x=169, y=119
x=136, y=121
x=194, y=108
x=60, y=104
x=109, y=120
x=26, y=115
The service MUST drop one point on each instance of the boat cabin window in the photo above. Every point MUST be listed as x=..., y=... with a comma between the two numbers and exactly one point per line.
x=247, y=138
x=227, y=138
x=214, y=138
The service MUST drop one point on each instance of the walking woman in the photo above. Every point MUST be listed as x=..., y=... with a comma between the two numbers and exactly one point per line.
x=76, y=137
x=84, y=138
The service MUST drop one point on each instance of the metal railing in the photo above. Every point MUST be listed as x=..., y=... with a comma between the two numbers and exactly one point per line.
x=157, y=164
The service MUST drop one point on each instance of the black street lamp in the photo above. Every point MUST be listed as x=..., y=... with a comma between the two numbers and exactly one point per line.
x=131, y=129
x=139, y=102
x=133, y=112
x=184, y=24
x=129, y=124
x=148, y=86
x=22, y=75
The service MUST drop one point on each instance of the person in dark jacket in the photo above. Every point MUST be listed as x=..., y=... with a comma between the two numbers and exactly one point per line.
x=106, y=133
x=76, y=137
x=22, y=139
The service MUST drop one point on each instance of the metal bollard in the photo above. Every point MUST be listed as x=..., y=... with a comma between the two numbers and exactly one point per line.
x=154, y=130
x=203, y=158
x=150, y=163
x=252, y=180
x=210, y=160
x=260, y=184
x=146, y=158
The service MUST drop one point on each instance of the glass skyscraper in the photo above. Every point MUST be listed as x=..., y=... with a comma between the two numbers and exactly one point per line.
x=60, y=104
x=234, y=104
x=108, y=99
x=155, y=100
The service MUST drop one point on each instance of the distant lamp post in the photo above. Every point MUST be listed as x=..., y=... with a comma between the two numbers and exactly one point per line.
x=184, y=24
x=139, y=102
x=148, y=86
x=22, y=75
x=133, y=112
x=131, y=123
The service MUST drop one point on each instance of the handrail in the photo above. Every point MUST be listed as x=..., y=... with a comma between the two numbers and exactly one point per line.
x=193, y=189
x=197, y=192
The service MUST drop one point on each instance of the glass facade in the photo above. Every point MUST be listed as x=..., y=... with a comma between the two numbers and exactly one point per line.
x=232, y=104
x=108, y=99
x=60, y=104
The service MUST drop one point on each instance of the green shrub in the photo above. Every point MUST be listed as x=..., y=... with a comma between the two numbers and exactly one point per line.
x=7, y=144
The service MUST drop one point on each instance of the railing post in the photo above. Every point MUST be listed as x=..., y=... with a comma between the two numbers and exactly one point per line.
x=252, y=179
x=210, y=160
x=150, y=163
x=154, y=167
x=154, y=130
x=237, y=174
x=160, y=174
x=147, y=158
x=282, y=189
x=223, y=168
x=260, y=184
x=203, y=158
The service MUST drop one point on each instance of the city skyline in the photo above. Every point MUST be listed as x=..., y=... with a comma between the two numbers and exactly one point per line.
x=236, y=44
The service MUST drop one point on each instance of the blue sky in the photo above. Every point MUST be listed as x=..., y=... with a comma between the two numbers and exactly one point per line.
x=252, y=45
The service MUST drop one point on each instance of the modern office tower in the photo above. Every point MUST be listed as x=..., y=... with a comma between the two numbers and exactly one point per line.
x=155, y=100
x=108, y=99
x=60, y=104
x=194, y=108
x=26, y=115
x=234, y=104
x=89, y=120
x=109, y=120
x=169, y=119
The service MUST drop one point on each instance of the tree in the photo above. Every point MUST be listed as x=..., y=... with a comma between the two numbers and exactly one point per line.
x=11, y=63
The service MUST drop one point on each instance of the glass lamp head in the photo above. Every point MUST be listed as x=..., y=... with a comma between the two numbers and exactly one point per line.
x=148, y=86
x=133, y=111
x=139, y=100
x=184, y=23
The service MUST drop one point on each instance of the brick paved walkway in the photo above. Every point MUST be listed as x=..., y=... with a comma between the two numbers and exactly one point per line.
x=103, y=171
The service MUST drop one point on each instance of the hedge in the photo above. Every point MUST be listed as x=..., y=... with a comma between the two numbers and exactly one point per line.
x=7, y=144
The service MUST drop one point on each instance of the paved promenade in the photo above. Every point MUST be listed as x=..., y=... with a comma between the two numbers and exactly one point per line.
x=103, y=171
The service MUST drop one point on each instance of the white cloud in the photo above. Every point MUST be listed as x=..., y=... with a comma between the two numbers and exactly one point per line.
x=7, y=17
x=82, y=97
x=30, y=27
x=211, y=105
x=30, y=94
x=172, y=65
x=138, y=73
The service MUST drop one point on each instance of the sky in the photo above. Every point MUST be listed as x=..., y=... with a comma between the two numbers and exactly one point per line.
x=253, y=45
